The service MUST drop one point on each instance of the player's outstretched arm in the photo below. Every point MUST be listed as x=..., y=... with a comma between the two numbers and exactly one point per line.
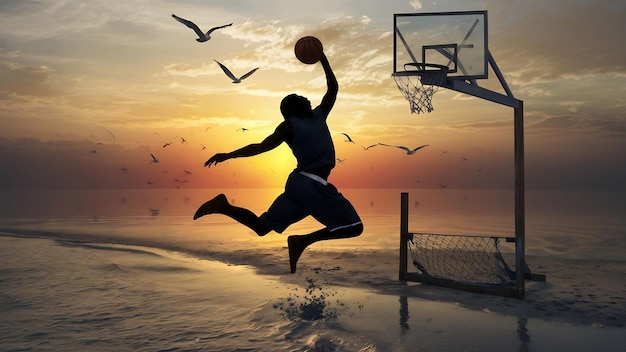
x=270, y=142
x=328, y=101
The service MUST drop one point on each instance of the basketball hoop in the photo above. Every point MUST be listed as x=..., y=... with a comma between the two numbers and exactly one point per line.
x=419, y=84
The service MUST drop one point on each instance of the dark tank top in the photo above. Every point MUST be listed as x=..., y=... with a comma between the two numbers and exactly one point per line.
x=312, y=144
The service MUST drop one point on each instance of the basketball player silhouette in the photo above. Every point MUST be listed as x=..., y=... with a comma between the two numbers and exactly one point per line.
x=307, y=190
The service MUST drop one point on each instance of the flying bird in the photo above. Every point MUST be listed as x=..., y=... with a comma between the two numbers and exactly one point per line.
x=232, y=76
x=407, y=150
x=154, y=159
x=243, y=129
x=349, y=139
x=371, y=146
x=202, y=37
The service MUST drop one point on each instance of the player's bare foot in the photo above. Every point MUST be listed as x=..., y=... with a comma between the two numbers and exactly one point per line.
x=296, y=245
x=216, y=205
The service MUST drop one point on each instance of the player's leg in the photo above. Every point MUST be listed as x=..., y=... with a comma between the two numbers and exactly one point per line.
x=324, y=203
x=298, y=243
x=220, y=205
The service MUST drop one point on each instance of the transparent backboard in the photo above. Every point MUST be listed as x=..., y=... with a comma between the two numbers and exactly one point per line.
x=457, y=40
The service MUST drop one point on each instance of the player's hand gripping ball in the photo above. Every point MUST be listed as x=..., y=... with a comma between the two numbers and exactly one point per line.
x=308, y=50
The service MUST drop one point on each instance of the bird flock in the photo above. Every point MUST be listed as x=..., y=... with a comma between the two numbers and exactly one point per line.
x=410, y=151
x=205, y=36
x=153, y=156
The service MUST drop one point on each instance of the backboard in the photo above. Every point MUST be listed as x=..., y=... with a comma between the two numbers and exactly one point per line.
x=457, y=40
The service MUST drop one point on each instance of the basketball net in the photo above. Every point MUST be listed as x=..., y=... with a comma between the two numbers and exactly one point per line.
x=419, y=86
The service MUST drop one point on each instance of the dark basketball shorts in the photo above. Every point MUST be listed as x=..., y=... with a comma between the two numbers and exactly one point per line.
x=307, y=194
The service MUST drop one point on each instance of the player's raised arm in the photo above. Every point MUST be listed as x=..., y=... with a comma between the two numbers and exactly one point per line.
x=332, y=86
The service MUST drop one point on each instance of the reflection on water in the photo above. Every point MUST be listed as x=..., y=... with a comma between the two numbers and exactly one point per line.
x=404, y=314
x=523, y=333
x=574, y=224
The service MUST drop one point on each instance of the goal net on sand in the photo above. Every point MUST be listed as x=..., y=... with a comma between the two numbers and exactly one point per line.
x=468, y=259
x=465, y=262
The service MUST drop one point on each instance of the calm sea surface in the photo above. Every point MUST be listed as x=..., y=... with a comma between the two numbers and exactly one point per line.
x=568, y=224
x=102, y=270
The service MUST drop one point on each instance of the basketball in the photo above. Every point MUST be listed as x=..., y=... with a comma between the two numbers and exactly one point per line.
x=308, y=50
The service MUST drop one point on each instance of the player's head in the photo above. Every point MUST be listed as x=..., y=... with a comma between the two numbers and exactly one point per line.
x=295, y=105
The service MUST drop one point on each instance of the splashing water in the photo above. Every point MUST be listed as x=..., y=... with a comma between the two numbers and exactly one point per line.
x=316, y=304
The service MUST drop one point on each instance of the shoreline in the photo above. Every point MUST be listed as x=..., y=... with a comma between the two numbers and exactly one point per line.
x=577, y=292
x=594, y=299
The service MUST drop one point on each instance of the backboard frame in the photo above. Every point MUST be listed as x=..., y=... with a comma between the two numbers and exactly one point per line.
x=434, y=32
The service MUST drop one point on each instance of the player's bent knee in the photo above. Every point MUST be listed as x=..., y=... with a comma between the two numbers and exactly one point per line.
x=262, y=230
x=357, y=229
x=350, y=231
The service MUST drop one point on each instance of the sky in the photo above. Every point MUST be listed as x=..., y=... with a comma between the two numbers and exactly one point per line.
x=90, y=89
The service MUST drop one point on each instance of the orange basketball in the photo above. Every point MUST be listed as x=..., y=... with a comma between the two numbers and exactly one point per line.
x=308, y=50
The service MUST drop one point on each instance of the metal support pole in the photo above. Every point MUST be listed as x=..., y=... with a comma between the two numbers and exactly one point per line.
x=404, y=234
x=520, y=261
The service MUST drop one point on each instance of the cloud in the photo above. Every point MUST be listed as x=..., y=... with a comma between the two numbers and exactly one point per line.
x=20, y=79
x=190, y=69
x=356, y=53
x=557, y=41
x=572, y=106
x=472, y=126
x=361, y=55
x=603, y=126
x=532, y=91
x=65, y=17
x=610, y=127
x=566, y=122
x=265, y=31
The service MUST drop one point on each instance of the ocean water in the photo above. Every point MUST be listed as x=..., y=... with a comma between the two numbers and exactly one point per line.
x=128, y=270
x=565, y=224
